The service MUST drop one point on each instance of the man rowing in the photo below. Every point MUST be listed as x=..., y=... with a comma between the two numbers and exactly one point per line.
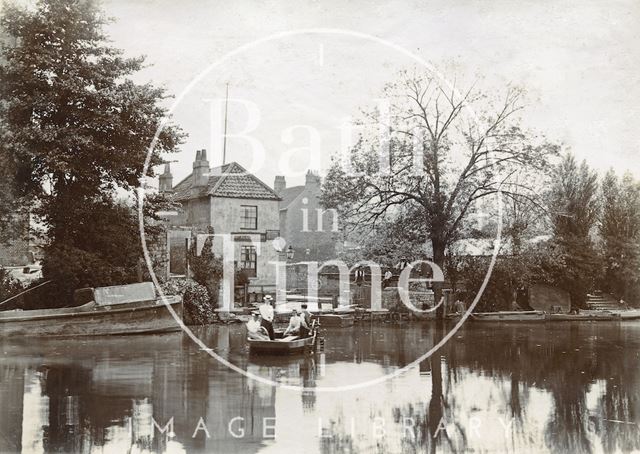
x=305, y=325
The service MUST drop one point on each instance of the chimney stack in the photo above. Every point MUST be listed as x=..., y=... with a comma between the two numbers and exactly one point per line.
x=312, y=180
x=166, y=179
x=280, y=184
x=200, y=169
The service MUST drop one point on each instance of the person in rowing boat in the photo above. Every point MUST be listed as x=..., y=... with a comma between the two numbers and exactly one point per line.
x=305, y=321
x=267, y=314
x=255, y=330
x=388, y=275
x=295, y=322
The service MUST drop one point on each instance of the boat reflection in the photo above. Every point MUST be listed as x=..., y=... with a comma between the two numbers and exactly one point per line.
x=523, y=388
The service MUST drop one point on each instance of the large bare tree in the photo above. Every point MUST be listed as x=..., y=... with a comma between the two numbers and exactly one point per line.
x=429, y=154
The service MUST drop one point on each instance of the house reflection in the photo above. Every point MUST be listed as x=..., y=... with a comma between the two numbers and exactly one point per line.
x=109, y=395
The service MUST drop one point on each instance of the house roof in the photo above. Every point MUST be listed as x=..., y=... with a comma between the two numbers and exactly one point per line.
x=230, y=180
x=288, y=195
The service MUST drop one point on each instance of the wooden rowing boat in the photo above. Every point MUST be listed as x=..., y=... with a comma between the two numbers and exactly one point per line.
x=588, y=317
x=93, y=320
x=280, y=346
x=335, y=320
x=126, y=309
x=629, y=314
x=283, y=345
x=509, y=316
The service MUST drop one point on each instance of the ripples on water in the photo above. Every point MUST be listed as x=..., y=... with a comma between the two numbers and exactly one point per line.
x=498, y=388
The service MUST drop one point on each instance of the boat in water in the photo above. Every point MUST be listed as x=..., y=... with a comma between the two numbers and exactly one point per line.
x=591, y=316
x=508, y=316
x=282, y=345
x=629, y=314
x=335, y=320
x=125, y=309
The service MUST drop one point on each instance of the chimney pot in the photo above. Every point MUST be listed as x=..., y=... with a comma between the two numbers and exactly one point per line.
x=312, y=180
x=200, y=168
x=166, y=179
x=279, y=184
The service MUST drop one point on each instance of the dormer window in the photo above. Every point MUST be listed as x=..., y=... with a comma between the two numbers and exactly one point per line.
x=248, y=217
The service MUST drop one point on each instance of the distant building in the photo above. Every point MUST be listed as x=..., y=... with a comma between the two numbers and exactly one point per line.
x=15, y=248
x=233, y=202
x=309, y=229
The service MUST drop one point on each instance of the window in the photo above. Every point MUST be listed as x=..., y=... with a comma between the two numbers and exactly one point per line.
x=248, y=217
x=248, y=260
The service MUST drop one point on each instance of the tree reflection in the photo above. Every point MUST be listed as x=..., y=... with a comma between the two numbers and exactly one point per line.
x=568, y=362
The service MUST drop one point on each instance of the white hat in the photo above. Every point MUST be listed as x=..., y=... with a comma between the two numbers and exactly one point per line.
x=268, y=298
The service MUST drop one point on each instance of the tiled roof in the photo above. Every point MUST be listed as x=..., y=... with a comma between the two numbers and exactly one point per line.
x=230, y=180
x=288, y=195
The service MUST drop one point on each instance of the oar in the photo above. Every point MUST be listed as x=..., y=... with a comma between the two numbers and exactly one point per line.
x=315, y=332
x=23, y=292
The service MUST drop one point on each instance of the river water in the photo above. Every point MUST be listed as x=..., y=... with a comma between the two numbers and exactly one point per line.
x=538, y=387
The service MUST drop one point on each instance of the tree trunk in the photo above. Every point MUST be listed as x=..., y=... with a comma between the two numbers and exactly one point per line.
x=438, y=259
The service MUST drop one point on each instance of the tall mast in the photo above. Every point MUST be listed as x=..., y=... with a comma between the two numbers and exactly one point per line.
x=224, y=140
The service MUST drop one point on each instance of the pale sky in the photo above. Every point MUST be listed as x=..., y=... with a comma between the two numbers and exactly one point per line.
x=577, y=59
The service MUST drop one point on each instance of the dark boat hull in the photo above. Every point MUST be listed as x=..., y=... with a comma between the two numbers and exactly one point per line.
x=280, y=347
x=92, y=320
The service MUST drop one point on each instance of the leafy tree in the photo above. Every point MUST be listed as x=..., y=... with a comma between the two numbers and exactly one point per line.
x=574, y=212
x=76, y=129
x=619, y=228
x=439, y=162
x=107, y=251
x=12, y=212
x=9, y=286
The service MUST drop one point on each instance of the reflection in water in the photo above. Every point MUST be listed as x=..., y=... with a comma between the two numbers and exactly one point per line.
x=539, y=387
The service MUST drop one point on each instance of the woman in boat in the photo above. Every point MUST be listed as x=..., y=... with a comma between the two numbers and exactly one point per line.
x=295, y=323
x=388, y=275
x=255, y=330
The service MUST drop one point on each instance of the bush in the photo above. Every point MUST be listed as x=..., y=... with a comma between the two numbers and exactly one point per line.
x=197, y=306
x=9, y=286
x=71, y=268
x=206, y=268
